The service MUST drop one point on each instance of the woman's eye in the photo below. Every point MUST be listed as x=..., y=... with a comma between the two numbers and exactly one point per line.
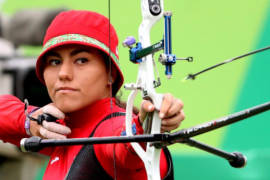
x=54, y=62
x=81, y=60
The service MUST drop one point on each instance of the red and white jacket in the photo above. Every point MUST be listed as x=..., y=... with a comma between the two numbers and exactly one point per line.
x=12, y=119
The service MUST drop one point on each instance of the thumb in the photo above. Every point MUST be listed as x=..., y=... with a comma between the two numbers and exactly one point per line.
x=54, y=111
x=146, y=107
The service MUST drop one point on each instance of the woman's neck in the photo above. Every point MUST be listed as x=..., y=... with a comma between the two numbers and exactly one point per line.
x=89, y=114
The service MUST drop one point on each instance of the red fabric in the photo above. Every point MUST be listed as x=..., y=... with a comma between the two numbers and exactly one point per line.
x=82, y=124
x=12, y=119
x=87, y=23
x=128, y=164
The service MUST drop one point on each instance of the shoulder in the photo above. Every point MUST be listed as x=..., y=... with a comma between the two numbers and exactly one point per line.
x=110, y=124
x=8, y=97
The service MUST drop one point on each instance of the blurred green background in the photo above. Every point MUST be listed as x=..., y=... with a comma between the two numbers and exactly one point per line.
x=210, y=31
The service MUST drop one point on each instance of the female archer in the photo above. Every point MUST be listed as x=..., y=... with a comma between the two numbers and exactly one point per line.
x=79, y=66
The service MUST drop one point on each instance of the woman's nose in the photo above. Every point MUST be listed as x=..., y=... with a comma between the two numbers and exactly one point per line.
x=66, y=71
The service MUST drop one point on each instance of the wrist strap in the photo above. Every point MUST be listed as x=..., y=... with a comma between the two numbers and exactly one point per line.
x=27, y=119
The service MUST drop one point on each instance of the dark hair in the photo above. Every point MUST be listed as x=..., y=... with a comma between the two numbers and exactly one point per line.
x=123, y=104
x=110, y=66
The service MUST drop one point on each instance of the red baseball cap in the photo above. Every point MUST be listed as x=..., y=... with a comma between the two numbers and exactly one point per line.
x=83, y=28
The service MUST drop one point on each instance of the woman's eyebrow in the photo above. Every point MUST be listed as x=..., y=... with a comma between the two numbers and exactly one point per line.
x=77, y=51
x=52, y=53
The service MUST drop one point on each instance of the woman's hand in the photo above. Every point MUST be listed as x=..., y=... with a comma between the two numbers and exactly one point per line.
x=49, y=130
x=171, y=112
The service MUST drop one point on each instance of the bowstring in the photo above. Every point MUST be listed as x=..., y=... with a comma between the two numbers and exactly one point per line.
x=110, y=61
x=110, y=83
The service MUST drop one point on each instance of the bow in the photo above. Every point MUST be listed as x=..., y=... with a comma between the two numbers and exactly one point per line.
x=152, y=11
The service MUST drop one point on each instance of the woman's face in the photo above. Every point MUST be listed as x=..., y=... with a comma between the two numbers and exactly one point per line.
x=75, y=77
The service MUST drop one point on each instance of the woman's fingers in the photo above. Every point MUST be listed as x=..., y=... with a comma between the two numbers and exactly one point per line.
x=146, y=107
x=173, y=122
x=50, y=135
x=57, y=128
x=166, y=105
x=49, y=130
x=171, y=112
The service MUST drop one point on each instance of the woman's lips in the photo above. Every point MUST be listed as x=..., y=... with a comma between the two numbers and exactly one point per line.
x=66, y=89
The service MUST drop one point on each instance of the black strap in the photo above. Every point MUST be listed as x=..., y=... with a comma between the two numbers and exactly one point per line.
x=112, y=115
x=86, y=166
x=170, y=173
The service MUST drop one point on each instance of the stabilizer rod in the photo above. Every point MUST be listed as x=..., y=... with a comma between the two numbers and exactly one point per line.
x=218, y=123
x=235, y=159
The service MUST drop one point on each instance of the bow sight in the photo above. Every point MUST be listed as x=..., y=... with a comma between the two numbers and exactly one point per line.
x=166, y=58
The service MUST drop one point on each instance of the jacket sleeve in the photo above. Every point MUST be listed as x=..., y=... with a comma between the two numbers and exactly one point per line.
x=12, y=119
x=121, y=156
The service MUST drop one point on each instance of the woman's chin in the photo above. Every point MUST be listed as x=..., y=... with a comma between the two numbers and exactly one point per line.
x=67, y=108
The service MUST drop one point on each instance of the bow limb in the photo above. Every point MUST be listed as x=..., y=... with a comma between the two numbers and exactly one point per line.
x=145, y=82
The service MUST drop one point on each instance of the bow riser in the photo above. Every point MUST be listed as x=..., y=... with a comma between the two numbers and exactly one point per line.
x=145, y=82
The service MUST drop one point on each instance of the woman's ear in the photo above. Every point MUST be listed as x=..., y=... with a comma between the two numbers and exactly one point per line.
x=112, y=76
